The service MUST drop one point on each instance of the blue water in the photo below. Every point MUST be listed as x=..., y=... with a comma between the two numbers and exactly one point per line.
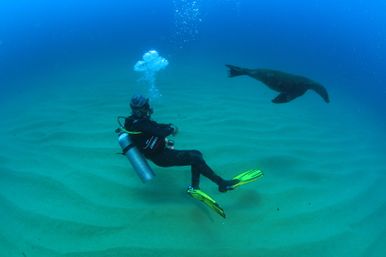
x=343, y=42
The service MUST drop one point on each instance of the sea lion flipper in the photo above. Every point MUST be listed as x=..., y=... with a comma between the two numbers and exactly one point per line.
x=235, y=71
x=321, y=90
x=282, y=98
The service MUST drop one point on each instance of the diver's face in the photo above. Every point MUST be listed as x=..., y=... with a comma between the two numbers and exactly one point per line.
x=145, y=112
x=148, y=110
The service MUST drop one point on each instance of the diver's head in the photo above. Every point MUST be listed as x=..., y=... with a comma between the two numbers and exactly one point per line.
x=140, y=106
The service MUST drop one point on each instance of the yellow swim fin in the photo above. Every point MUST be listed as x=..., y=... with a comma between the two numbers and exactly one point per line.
x=206, y=199
x=247, y=177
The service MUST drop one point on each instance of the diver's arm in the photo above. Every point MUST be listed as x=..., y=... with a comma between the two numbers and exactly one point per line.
x=153, y=128
x=162, y=125
x=170, y=125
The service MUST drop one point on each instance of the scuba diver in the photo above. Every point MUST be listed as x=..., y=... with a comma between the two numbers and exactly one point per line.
x=150, y=138
x=141, y=136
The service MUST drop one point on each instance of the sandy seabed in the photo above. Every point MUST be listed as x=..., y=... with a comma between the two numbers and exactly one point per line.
x=66, y=192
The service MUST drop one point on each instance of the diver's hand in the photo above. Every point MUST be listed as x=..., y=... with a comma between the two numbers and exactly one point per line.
x=175, y=130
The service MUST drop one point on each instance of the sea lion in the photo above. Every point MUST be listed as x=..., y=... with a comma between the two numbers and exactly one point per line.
x=290, y=86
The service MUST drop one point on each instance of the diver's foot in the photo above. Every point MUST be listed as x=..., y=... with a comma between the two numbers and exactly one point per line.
x=226, y=185
x=190, y=188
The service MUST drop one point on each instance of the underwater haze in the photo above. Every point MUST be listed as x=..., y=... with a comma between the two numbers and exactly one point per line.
x=69, y=68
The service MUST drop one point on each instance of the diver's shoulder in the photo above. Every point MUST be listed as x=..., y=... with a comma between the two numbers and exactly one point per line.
x=138, y=120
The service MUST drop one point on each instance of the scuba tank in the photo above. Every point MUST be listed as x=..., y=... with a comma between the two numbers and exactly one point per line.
x=139, y=163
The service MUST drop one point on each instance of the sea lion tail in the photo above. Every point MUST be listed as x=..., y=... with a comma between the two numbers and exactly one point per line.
x=321, y=90
x=235, y=71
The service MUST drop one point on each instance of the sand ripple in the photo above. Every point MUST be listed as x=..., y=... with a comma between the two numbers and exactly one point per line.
x=65, y=191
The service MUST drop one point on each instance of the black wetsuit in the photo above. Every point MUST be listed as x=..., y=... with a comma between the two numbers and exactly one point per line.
x=151, y=142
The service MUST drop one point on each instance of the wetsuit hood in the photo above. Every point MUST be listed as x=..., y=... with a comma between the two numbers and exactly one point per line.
x=140, y=106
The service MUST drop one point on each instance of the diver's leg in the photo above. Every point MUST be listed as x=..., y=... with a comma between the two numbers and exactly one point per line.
x=170, y=157
x=204, y=169
x=194, y=158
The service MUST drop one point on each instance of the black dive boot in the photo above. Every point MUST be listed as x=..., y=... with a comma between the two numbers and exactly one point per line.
x=226, y=185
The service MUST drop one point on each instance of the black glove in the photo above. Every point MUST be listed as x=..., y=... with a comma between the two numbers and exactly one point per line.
x=175, y=129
